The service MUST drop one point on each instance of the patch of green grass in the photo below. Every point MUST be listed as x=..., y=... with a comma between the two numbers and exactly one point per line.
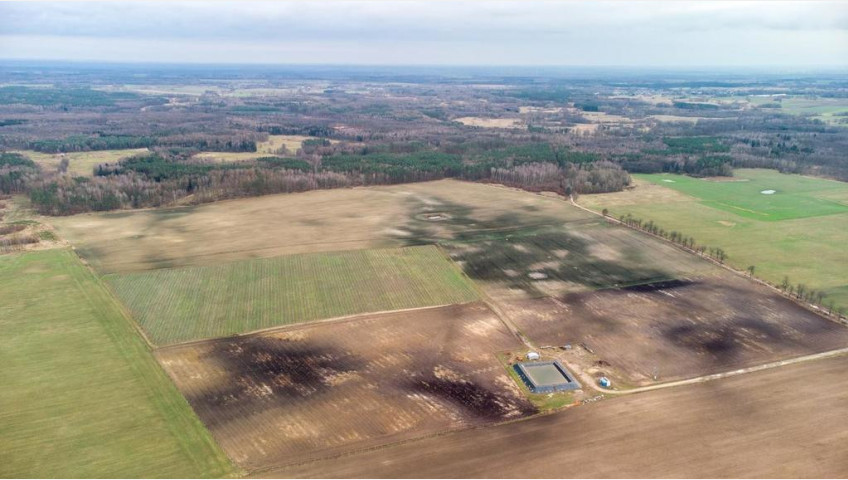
x=176, y=305
x=81, y=393
x=794, y=196
x=807, y=250
x=47, y=235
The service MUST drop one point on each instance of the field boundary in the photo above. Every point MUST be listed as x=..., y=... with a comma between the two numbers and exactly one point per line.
x=310, y=324
x=732, y=373
x=840, y=320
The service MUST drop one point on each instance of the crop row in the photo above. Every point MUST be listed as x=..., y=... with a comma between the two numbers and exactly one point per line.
x=175, y=305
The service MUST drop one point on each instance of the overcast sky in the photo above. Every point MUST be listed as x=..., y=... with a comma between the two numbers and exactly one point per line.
x=433, y=32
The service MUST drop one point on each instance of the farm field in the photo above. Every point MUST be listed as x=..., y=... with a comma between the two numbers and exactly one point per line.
x=808, y=250
x=80, y=164
x=181, y=304
x=317, y=221
x=81, y=394
x=790, y=197
x=832, y=111
x=781, y=423
x=674, y=330
x=270, y=147
x=490, y=122
x=581, y=255
x=311, y=391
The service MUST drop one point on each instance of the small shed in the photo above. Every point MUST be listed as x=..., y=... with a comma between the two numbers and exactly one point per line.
x=533, y=356
x=605, y=382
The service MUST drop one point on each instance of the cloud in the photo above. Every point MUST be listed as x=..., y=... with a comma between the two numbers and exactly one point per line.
x=505, y=32
x=407, y=19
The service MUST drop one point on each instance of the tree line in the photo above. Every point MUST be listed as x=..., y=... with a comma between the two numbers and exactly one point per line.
x=157, y=179
x=797, y=291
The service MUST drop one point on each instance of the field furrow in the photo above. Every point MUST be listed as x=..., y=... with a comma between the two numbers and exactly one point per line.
x=176, y=305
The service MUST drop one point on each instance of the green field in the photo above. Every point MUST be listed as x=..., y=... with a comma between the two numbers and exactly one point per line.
x=794, y=196
x=807, y=247
x=181, y=304
x=81, y=394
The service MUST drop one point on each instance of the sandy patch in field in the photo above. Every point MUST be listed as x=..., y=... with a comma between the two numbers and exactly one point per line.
x=726, y=223
x=584, y=128
x=490, y=122
x=527, y=109
x=642, y=192
x=601, y=117
x=726, y=179
x=552, y=264
x=652, y=99
x=604, y=252
x=676, y=118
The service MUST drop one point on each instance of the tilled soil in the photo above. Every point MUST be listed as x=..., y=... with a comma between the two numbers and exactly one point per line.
x=786, y=422
x=677, y=329
x=291, y=395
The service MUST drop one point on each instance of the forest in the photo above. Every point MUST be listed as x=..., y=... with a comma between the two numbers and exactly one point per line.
x=208, y=137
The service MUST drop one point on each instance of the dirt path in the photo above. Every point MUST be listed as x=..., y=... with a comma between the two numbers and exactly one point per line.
x=718, y=376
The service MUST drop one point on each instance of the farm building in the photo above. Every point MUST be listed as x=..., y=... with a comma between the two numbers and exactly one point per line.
x=546, y=377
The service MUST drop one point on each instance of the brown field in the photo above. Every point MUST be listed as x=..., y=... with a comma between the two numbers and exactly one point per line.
x=289, y=395
x=602, y=117
x=584, y=128
x=80, y=164
x=785, y=422
x=316, y=221
x=490, y=122
x=676, y=118
x=652, y=99
x=580, y=255
x=674, y=330
x=263, y=149
x=640, y=192
x=530, y=109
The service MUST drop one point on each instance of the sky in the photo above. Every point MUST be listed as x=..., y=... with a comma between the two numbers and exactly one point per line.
x=668, y=33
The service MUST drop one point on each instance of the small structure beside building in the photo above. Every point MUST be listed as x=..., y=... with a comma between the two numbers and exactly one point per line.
x=532, y=356
x=546, y=377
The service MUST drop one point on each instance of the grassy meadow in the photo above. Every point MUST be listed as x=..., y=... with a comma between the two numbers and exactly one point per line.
x=81, y=393
x=802, y=236
x=181, y=304
x=794, y=196
x=80, y=164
